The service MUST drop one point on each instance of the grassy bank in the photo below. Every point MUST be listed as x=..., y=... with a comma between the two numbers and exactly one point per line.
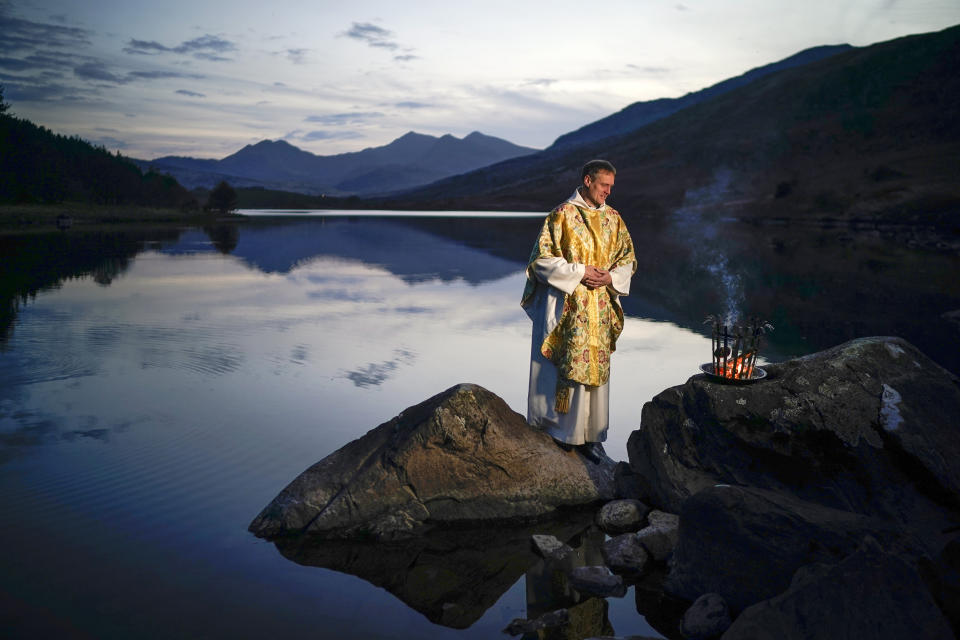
x=45, y=216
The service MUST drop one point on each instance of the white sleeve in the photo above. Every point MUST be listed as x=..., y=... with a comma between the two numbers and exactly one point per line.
x=621, y=278
x=559, y=273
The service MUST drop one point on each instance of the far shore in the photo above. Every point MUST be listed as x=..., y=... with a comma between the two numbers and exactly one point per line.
x=44, y=217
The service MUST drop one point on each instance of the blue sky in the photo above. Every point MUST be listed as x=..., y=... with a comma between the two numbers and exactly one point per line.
x=204, y=78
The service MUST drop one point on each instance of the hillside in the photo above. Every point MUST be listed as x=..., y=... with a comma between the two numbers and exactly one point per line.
x=639, y=114
x=872, y=133
x=409, y=161
x=39, y=166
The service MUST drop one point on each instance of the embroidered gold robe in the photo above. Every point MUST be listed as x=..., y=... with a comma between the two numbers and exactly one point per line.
x=575, y=329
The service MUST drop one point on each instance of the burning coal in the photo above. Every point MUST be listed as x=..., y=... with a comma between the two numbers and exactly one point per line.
x=734, y=348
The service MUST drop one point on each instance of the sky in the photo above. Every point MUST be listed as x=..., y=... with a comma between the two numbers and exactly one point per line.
x=203, y=78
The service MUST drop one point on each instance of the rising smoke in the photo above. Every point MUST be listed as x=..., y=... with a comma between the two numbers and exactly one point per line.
x=698, y=222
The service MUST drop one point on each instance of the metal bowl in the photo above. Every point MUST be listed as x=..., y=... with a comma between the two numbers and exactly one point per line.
x=707, y=368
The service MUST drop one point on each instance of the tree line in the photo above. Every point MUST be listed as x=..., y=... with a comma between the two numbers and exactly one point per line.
x=39, y=166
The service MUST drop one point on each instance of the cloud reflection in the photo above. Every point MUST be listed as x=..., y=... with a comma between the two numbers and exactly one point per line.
x=374, y=374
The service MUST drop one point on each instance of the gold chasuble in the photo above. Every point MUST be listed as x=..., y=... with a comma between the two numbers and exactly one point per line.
x=579, y=346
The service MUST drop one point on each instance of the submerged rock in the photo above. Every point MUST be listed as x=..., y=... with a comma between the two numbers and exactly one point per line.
x=597, y=581
x=869, y=426
x=550, y=548
x=461, y=456
x=551, y=619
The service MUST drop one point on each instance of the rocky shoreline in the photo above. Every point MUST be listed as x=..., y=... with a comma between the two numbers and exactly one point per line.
x=823, y=502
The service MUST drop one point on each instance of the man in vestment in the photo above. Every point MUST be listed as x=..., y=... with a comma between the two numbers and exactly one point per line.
x=582, y=262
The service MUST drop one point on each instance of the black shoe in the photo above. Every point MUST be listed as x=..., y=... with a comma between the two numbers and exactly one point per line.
x=592, y=451
x=563, y=445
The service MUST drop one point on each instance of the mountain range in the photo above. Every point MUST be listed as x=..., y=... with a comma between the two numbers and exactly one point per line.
x=867, y=133
x=411, y=160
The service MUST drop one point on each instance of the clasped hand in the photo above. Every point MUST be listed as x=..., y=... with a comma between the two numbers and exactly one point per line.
x=594, y=277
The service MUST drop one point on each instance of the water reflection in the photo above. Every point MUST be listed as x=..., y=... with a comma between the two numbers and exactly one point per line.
x=451, y=576
x=376, y=373
x=159, y=386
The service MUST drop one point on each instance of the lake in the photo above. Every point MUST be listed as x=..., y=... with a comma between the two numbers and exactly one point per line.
x=160, y=386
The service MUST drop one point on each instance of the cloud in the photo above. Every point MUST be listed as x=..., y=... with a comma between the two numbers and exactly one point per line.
x=109, y=142
x=337, y=119
x=322, y=134
x=46, y=54
x=98, y=71
x=26, y=35
x=29, y=90
x=159, y=75
x=144, y=47
x=541, y=82
x=410, y=104
x=206, y=47
x=211, y=57
x=15, y=64
x=372, y=34
x=379, y=38
x=296, y=56
x=649, y=70
x=190, y=94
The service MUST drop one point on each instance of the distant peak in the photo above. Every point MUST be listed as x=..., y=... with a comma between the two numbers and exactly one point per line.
x=273, y=143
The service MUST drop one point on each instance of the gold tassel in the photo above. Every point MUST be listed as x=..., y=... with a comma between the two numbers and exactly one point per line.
x=562, y=405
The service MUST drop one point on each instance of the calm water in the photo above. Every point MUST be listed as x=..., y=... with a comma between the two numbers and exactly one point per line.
x=159, y=387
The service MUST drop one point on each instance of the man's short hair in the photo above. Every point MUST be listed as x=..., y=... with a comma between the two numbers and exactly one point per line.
x=594, y=167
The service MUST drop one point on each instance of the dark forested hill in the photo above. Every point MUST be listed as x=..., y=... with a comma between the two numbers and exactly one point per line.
x=871, y=132
x=37, y=165
x=640, y=114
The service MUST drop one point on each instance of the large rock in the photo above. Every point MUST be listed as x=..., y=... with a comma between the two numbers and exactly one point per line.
x=871, y=595
x=870, y=426
x=461, y=456
x=746, y=544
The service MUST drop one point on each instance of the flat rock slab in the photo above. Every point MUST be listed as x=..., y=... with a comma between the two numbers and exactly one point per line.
x=462, y=456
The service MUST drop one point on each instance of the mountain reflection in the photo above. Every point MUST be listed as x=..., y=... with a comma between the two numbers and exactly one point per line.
x=819, y=286
x=450, y=576
x=405, y=251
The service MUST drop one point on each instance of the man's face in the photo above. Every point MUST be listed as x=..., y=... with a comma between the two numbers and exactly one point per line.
x=596, y=190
